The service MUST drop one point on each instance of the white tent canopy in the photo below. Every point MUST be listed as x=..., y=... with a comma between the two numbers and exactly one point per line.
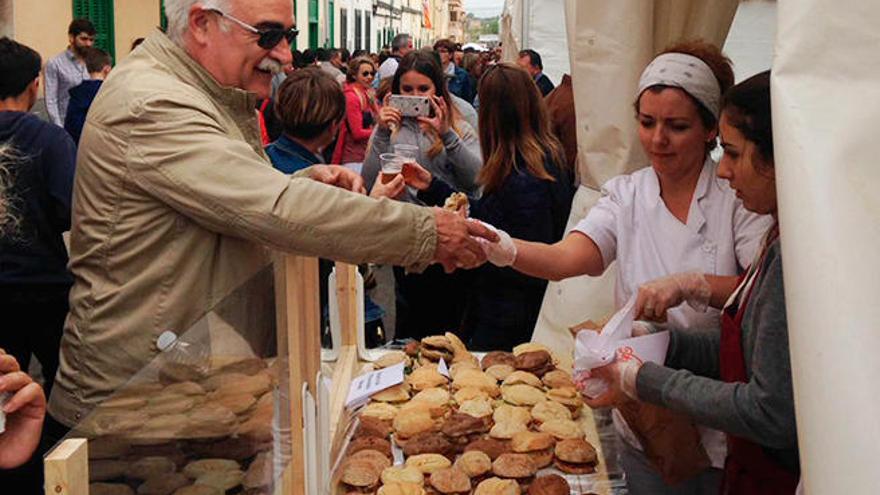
x=536, y=24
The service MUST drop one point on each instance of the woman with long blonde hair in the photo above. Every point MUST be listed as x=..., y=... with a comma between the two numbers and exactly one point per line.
x=527, y=189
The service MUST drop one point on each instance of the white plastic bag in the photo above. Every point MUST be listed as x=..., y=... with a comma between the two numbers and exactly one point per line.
x=594, y=350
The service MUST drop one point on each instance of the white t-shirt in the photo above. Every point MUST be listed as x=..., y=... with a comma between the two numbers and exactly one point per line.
x=632, y=225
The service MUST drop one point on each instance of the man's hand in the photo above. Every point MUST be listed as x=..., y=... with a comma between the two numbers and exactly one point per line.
x=457, y=246
x=393, y=189
x=339, y=176
x=25, y=409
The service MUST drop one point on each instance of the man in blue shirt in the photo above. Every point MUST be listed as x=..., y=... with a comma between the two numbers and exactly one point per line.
x=34, y=281
x=98, y=63
x=67, y=69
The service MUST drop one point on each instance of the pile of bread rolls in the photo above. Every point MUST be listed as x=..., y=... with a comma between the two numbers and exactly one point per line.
x=488, y=429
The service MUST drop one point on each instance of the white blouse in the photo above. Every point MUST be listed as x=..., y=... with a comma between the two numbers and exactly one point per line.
x=632, y=225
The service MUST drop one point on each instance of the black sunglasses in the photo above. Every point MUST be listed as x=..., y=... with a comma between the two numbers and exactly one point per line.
x=368, y=73
x=268, y=38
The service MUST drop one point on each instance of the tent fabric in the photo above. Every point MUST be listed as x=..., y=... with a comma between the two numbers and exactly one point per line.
x=511, y=27
x=826, y=100
x=536, y=24
x=609, y=44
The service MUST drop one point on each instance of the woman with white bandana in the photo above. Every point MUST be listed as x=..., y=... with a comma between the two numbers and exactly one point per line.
x=672, y=217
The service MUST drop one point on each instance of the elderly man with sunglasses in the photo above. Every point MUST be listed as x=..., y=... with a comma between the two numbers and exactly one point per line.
x=176, y=204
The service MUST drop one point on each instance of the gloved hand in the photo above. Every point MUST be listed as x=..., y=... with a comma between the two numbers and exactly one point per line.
x=620, y=377
x=501, y=253
x=657, y=296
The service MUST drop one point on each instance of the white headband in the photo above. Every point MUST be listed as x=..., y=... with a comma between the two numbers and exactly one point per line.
x=687, y=72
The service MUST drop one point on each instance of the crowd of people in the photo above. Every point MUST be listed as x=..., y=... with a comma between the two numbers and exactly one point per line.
x=167, y=159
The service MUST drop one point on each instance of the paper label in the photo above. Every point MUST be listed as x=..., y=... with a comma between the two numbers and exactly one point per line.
x=364, y=386
x=442, y=368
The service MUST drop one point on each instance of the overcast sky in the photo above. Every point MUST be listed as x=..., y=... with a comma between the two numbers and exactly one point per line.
x=484, y=8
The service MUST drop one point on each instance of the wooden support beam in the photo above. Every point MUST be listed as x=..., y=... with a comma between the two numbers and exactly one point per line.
x=346, y=297
x=297, y=299
x=67, y=468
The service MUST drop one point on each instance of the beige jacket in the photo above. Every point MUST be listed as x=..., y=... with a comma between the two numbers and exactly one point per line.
x=174, y=206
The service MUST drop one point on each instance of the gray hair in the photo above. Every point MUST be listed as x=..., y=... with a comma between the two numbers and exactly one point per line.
x=8, y=221
x=177, y=13
x=400, y=41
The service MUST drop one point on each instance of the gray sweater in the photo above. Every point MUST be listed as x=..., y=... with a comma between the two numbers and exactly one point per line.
x=457, y=164
x=760, y=410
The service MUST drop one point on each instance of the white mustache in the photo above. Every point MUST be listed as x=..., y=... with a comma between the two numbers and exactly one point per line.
x=271, y=65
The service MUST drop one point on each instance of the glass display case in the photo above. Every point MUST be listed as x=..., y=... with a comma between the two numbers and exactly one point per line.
x=212, y=410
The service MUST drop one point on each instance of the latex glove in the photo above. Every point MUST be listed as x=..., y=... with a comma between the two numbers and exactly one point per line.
x=620, y=376
x=459, y=241
x=501, y=253
x=640, y=329
x=657, y=296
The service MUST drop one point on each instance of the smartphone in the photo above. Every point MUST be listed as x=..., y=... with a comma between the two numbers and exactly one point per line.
x=411, y=106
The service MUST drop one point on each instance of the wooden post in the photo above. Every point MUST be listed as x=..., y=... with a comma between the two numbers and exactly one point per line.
x=347, y=365
x=297, y=299
x=67, y=468
x=346, y=297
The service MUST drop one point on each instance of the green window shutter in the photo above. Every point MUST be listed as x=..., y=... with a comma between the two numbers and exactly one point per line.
x=293, y=45
x=313, y=24
x=100, y=12
x=163, y=20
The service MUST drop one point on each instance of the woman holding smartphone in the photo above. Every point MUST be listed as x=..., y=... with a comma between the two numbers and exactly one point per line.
x=447, y=146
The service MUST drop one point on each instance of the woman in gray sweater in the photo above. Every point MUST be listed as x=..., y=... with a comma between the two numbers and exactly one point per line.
x=431, y=302
x=447, y=145
x=736, y=379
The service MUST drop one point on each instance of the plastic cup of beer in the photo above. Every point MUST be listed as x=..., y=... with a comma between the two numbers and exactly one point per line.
x=408, y=151
x=392, y=166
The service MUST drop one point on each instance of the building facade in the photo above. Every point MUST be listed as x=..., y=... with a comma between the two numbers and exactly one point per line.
x=42, y=24
x=456, y=29
x=353, y=24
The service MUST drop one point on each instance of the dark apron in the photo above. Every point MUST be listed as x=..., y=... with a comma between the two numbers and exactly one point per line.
x=748, y=470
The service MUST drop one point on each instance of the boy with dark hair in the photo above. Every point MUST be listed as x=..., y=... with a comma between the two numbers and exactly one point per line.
x=98, y=64
x=67, y=69
x=34, y=281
